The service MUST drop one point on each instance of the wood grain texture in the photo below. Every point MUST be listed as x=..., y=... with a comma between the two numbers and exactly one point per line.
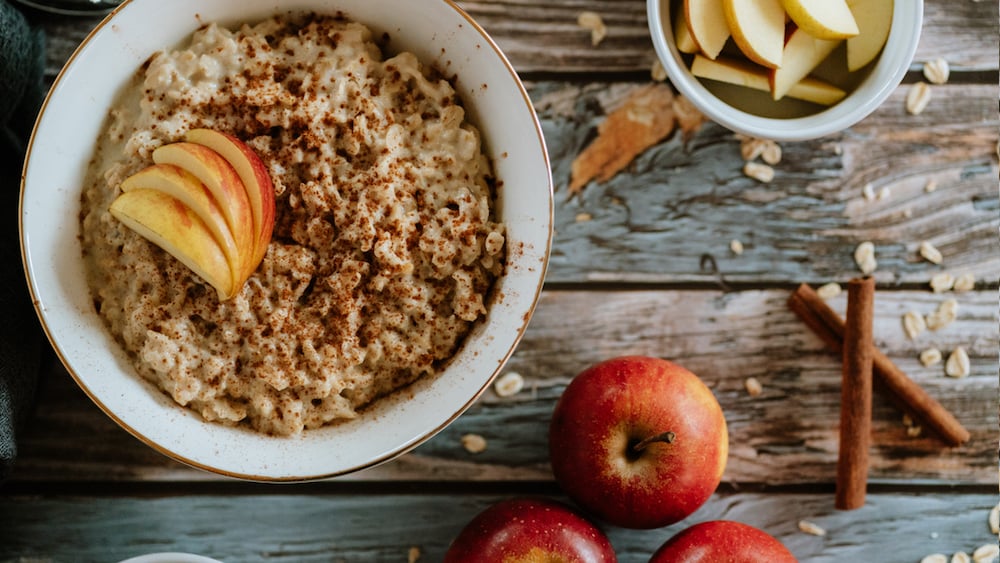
x=543, y=37
x=279, y=528
x=679, y=202
x=788, y=435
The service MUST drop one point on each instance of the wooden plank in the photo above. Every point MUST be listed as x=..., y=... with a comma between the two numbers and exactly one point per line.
x=543, y=37
x=282, y=527
x=680, y=203
x=786, y=436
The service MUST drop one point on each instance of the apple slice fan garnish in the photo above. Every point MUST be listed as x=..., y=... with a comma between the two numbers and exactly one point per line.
x=207, y=201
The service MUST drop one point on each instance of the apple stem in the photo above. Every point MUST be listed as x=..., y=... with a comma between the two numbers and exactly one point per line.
x=667, y=437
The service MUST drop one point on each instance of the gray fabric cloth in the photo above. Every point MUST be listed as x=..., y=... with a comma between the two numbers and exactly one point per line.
x=22, y=63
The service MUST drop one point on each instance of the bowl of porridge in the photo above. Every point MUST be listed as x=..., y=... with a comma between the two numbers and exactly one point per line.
x=286, y=240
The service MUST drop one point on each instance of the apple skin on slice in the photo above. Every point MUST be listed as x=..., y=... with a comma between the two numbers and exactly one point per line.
x=706, y=21
x=255, y=179
x=823, y=19
x=803, y=53
x=174, y=227
x=221, y=179
x=682, y=35
x=758, y=28
x=183, y=186
x=743, y=73
x=874, y=18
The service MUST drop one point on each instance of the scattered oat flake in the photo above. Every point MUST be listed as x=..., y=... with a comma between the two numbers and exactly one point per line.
x=509, y=384
x=930, y=253
x=913, y=324
x=960, y=557
x=869, y=192
x=620, y=138
x=964, y=282
x=994, y=519
x=772, y=153
x=474, y=443
x=413, y=555
x=751, y=147
x=958, y=363
x=583, y=217
x=936, y=71
x=810, y=528
x=986, y=553
x=914, y=431
x=736, y=247
x=829, y=290
x=657, y=72
x=593, y=22
x=942, y=282
x=945, y=314
x=753, y=386
x=917, y=98
x=935, y=558
x=930, y=186
x=838, y=149
x=930, y=357
x=760, y=172
x=884, y=193
x=864, y=257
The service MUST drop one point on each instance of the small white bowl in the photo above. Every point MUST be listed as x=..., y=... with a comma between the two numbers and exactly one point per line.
x=884, y=77
x=62, y=144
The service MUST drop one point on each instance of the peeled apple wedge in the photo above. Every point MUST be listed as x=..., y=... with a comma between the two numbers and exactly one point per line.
x=744, y=73
x=174, y=227
x=803, y=53
x=706, y=21
x=823, y=19
x=874, y=18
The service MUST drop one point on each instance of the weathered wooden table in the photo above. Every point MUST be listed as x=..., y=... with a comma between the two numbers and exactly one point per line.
x=641, y=265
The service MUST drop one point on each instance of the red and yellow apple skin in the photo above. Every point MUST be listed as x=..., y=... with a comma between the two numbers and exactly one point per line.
x=223, y=182
x=722, y=540
x=176, y=228
x=530, y=530
x=613, y=406
x=255, y=179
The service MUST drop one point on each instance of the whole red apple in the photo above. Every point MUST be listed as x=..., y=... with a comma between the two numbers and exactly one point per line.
x=530, y=530
x=640, y=442
x=722, y=540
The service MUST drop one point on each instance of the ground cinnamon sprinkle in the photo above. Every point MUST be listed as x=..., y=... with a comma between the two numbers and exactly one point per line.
x=385, y=245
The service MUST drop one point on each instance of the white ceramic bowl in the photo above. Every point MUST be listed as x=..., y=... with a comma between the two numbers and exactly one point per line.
x=62, y=144
x=170, y=557
x=884, y=77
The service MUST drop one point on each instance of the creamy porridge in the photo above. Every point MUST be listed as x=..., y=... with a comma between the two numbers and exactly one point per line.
x=385, y=246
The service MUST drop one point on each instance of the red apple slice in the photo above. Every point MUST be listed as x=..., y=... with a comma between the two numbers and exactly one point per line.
x=707, y=23
x=803, y=53
x=874, y=18
x=823, y=19
x=174, y=227
x=743, y=73
x=183, y=186
x=255, y=178
x=223, y=182
x=758, y=28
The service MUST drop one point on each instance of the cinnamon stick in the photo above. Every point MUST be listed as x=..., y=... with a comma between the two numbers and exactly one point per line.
x=828, y=325
x=856, y=396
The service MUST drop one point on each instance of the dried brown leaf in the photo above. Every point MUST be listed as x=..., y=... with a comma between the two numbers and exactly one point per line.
x=646, y=118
